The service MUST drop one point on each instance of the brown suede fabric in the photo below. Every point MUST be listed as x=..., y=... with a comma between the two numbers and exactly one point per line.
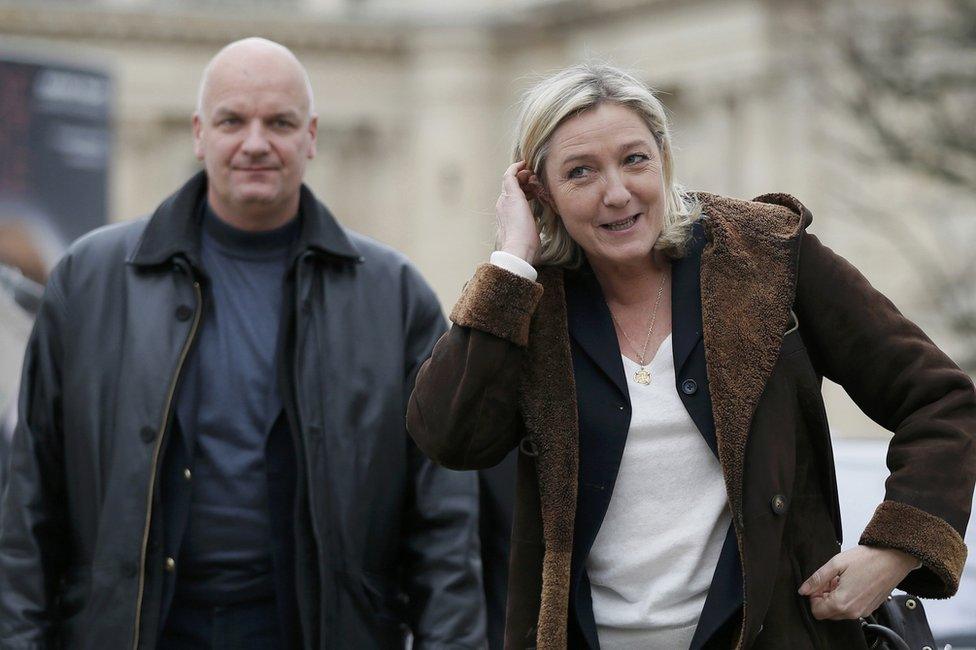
x=482, y=393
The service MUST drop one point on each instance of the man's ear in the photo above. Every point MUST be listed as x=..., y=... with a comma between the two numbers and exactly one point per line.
x=313, y=131
x=197, y=136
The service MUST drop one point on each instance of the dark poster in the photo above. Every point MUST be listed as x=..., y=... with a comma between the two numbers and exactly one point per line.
x=54, y=148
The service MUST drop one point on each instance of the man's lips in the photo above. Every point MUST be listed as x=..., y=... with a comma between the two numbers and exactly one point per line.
x=255, y=169
x=621, y=224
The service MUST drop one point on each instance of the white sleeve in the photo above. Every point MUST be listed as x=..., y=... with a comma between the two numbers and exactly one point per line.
x=515, y=264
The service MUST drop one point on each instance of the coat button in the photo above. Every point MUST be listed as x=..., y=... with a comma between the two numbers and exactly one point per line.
x=187, y=474
x=689, y=387
x=148, y=434
x=778, y=504
x=184, y=312
x=170, y=565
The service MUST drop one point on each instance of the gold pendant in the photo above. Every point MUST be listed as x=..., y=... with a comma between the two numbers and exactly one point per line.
x=642, y=377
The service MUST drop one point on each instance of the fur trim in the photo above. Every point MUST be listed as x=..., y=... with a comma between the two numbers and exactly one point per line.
x=498, y=302
x=548, y=405
x=928, y=538
x=748, y=280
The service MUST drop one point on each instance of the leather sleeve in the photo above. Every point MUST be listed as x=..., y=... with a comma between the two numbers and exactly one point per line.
x=464, y=409
x=899, y=378
x=33, y=520
x=440, y=560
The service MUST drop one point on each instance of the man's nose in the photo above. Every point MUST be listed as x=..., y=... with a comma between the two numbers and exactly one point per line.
x=255, y=139
x=615, y=192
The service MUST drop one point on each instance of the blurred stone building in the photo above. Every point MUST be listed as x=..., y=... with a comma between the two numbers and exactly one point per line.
x=416, y=102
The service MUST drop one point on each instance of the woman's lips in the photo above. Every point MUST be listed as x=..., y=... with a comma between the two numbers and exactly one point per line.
x=623, y=224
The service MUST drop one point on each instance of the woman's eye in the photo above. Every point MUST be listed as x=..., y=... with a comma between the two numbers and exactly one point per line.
x=576, y=172
x=636, y=158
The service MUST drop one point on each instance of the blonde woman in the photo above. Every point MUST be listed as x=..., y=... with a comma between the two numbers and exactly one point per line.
x=657, y=357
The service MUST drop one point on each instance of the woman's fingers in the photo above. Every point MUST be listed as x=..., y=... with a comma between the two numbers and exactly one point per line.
x=517, y=229
x=821, y=579
x=864, y=575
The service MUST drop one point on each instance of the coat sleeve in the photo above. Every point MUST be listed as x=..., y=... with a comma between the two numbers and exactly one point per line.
x=464, y=410
x=901, y=380
x=33, y=519
x=441, y=561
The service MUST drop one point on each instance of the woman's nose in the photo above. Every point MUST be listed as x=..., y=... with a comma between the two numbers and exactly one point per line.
x=615, y=192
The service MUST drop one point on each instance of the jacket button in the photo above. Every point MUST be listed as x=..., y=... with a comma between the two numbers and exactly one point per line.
x=187, y=474
x=778, y=504
x=170, y=565
x=148, y=434
x=183, y=312
x=689, y=387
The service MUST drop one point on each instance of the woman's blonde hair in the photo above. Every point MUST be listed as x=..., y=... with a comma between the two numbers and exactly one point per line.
x=568, y=93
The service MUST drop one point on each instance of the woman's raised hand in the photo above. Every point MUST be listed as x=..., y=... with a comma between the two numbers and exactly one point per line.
x=517, y=231
x=855, y=582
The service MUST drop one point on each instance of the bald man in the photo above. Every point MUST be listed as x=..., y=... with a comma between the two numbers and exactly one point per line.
x=211, y=449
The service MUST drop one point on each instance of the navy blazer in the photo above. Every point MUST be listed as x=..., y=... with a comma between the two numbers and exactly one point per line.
x=604, y=420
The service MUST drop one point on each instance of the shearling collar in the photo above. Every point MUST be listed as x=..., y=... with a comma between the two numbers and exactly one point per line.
x=748, y=281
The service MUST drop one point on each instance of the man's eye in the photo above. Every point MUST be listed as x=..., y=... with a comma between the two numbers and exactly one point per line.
x=576, y=172
x=281, y=124
x=229, y=121
x=636, y=158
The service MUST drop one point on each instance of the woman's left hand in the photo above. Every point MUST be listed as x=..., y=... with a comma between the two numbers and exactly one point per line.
x=855, y=582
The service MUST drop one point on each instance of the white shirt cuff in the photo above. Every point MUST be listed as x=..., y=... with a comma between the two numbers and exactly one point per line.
x=515, y=264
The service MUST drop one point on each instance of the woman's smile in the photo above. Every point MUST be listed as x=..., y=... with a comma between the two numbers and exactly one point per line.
x=623, y=225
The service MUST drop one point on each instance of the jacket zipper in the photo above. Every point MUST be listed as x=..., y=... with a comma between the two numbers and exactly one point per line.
x=155, y=458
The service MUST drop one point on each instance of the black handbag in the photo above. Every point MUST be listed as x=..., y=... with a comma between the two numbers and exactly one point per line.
x=899, y=624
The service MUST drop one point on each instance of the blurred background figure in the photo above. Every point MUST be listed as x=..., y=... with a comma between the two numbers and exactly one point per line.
x=863, y=110
x=19, y=298
x=54, y=143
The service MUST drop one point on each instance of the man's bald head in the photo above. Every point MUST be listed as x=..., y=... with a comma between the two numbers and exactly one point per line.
x=249, y=57
x=254, y=130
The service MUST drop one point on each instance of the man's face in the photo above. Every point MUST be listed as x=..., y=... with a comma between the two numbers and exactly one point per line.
x=254, y=135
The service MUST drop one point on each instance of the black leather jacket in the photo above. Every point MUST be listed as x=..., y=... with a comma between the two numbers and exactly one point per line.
x=391, y=536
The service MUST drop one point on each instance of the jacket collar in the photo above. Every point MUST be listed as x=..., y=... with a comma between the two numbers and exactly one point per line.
x=591, y=326
x=174, y=228
x=686, y=313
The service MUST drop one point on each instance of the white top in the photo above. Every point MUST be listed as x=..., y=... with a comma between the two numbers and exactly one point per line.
x=653, y=559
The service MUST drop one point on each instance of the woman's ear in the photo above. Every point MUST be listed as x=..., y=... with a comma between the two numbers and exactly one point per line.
x=540, y=192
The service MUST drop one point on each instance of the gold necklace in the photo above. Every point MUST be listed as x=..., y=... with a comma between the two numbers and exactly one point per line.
x=642, y=376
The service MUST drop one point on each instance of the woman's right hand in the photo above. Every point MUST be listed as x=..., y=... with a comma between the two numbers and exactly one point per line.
x=517, y=230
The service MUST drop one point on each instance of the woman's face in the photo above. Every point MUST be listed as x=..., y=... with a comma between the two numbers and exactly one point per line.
x=604, y=179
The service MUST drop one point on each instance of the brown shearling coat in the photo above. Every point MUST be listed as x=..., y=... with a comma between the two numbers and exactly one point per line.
x=503, y=374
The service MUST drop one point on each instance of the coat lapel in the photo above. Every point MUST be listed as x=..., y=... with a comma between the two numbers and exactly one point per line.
x=591, y=326
x=686, y=316
x=748, y=278
x=548, y=404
